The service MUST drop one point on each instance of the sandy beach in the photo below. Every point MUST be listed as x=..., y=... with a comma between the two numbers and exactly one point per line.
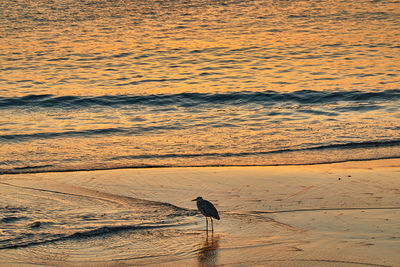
x=344, y=214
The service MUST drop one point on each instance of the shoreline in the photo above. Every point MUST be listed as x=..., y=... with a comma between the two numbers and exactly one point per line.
x=344, y=214
x=32, y=169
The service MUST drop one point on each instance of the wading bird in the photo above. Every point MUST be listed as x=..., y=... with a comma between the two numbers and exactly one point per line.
x=208, y=210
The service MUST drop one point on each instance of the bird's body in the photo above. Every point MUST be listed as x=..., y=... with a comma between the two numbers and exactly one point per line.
x=208, y=210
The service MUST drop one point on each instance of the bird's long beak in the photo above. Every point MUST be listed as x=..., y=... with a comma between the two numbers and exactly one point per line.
x=194, y=199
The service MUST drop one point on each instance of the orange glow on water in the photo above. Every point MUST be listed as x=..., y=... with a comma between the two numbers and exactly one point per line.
x=126, y=48
x=285, y=47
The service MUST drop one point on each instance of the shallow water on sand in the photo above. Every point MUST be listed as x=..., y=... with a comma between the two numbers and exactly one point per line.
x=278, y=216
x=108, y=84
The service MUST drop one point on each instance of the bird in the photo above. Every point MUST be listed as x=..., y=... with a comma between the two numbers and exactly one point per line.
x=208, y=210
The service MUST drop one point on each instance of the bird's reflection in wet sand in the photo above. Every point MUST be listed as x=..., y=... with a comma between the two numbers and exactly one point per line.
x=208, y=252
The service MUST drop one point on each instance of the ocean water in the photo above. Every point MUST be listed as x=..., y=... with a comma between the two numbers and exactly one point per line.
x=102, y=84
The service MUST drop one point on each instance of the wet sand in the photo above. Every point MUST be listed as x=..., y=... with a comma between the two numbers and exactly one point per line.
x=344, y=214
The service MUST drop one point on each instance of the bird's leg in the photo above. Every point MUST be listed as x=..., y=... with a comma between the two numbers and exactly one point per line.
x=212, y=225
x=206, y=224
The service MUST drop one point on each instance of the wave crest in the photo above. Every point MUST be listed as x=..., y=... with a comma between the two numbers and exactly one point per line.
x=195, y=99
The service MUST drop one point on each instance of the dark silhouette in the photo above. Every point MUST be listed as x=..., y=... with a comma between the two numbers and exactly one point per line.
x=208, y=210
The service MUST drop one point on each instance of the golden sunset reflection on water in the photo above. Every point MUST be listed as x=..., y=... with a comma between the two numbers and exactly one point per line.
x=169, y=48
x=130, y=83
